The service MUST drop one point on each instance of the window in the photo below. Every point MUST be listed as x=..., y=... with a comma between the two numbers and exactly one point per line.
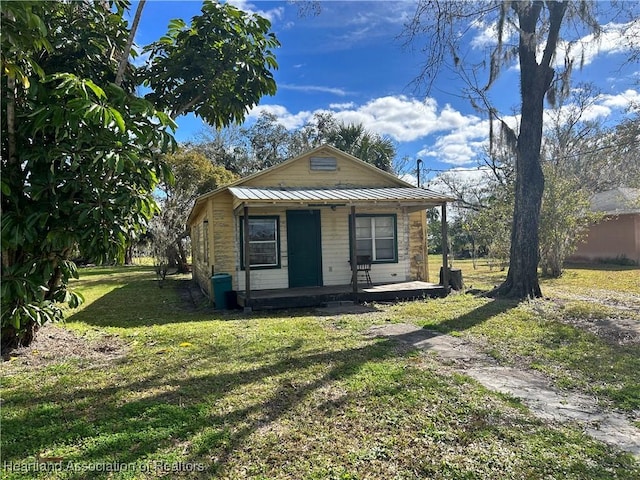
x=264, y=242
x=376, y=237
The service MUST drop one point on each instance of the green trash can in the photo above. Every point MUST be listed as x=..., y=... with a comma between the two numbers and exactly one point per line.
x=221, y=284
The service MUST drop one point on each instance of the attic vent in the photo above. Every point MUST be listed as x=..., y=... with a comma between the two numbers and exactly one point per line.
x=323, y=163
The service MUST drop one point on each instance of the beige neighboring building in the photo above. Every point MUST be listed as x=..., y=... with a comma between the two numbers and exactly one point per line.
x=618, y=234
x=300, y=230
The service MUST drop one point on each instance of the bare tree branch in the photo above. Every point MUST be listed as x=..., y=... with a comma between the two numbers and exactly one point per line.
x=124, y=59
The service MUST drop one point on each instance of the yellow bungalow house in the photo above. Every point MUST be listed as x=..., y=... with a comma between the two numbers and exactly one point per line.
x=314, y=223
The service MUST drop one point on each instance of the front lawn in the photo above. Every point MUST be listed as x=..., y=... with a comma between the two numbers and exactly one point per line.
x=156, y=386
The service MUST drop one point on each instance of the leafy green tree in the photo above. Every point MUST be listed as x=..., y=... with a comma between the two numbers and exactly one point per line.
x=74, y=169
x=313, y=134
x=484, y=202
x=354, y=139
x=218, y=66
x=369, y=147
x=490, y=225
x=80, y=153
x=269, y=141
x=434, y=231
x=569, y=160
x=610, y=159
x=529, y=32
x=565, y=216
x=226, y=147
x=194, y=175
x=572, y=152
x=461, y=241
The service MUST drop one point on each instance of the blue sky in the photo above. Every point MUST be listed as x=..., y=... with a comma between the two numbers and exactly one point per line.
x=350, y=61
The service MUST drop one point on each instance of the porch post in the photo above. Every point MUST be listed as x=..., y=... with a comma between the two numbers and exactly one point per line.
x=445, y=248
x=247, y=260
x=352, y=254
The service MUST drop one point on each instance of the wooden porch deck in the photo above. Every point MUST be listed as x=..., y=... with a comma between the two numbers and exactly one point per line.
x=318, y=296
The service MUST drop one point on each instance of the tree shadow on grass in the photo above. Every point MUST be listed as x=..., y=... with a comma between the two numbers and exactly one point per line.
x=179, y=403
x=112, y=428
x=475, y=317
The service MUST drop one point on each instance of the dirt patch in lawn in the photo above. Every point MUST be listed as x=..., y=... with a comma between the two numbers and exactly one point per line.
x=191, y=296
x=618, y=324
x=613, y=330
x=56, y=344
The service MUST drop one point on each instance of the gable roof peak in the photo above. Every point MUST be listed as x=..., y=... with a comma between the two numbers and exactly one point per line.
x=324, y=148
x=321, y=149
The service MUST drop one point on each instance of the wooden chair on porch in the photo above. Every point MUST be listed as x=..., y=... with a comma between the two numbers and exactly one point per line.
x=363, y=265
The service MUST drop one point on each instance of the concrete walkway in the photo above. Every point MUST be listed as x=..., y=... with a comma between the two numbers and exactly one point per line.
x=530, y=387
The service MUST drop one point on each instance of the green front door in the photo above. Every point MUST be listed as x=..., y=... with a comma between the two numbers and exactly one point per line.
x=304, y=248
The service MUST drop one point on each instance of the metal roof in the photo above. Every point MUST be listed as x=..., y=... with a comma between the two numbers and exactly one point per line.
x=341, y=195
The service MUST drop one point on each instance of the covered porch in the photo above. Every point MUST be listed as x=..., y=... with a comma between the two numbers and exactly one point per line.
x=317, y=271
x=320, y=296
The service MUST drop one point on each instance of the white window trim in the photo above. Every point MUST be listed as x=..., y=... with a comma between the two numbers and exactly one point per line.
x=275, y=242
x=373, y=238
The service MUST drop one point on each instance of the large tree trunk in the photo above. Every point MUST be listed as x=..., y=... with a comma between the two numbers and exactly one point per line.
x=172, y=256
x=128, y=254
x=535, y=80
x=183, y=264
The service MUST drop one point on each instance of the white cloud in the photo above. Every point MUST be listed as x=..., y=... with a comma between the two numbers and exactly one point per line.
x=404, y=119
x=462, y=177
x=247, y=6
x=459, y=138
x=358, y=27
x=409, y=178
x=614, y=38
x=602, y=107
x=289, y=120
x=341, y=106
x=461, y=146
x=341, y=92
x=595, y=112
x=621, y=100
x=471, y=176
x=487, y=35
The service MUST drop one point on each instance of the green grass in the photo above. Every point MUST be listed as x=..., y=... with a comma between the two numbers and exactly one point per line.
x=533, y=335
x=539, y=334
x=605, y=277
x=296, y=395
x=575, y=276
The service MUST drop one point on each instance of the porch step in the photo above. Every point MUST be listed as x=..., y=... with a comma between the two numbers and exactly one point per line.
x=338, y=303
